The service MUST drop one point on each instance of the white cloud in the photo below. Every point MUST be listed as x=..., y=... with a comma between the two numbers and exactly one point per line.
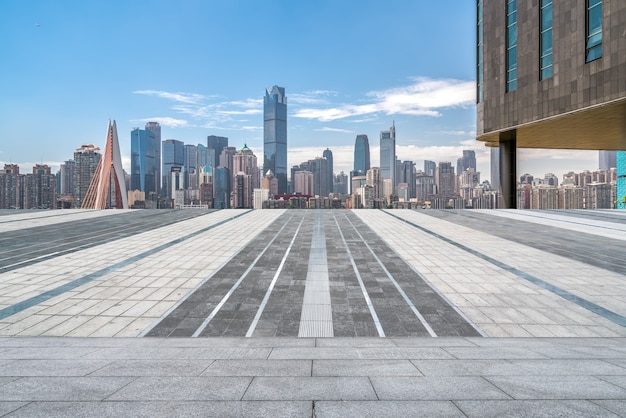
x=165, y=121
x=191, y=98
x=423, y=97
x=327, y=129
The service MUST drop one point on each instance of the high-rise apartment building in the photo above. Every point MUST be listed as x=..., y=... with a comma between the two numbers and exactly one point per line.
x=86, y=159
x=11, y=187
x=245, y=177
x=374, y=179
x=144, y=173
x=388, y=154
x=66, y=186
x=275, y=135
x=172, y=159
x=550, y=74
x=155, y=128
x=407, y=175
x=40, y=188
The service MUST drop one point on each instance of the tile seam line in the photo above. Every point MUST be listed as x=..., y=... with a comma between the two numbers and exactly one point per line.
x=235, y=286
x=406, y=298
x=368, y=301
x=257, y=317
x=438, y=292
x=35, y=300
x=583, y=303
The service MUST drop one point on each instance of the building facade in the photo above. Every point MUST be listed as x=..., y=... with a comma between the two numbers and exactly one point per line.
x=275, y=135
x=173, y=159
x=550, y=74
x=388, y=154
x=144, y=173
x=155, y=128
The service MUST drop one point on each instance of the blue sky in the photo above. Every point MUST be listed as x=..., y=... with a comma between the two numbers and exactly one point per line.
x=201, y=68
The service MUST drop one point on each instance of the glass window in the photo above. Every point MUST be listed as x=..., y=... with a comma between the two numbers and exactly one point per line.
x=511, y=45
x=593, y=47
x=545, y=40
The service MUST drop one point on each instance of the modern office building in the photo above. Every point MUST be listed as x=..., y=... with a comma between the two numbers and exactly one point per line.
x=468, y=160
x=550, y=74
x=361, y=155
x=445, y=179
x=406, y=175
x=388, y=154
x=275, y=135
x=173, y=156
x=191, y=166
x=155, y=128
x=245, y=177
x=144, y=173
x=429, y=168
x=217, y=144
x=221, y=188
x=328, y=154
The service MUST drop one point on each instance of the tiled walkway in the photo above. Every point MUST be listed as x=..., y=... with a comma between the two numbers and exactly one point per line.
x=257, y=287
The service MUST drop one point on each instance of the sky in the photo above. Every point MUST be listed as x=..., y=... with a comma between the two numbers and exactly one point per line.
x=201, y=68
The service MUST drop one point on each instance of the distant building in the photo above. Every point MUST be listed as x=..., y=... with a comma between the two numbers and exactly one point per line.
x=40, y=188
x=275, y=135
x=155, y=128
x=445, y=179
x=388, y=154
x=607, y=160
x=217, y=144
x=11, y=187
x=144, y=163
x=173, y=159
x=328, y=155
x=86, y=159
x=361, y=155
x=430, y=167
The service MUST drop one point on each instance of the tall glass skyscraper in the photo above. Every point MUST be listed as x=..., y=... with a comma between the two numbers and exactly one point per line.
x=361, y=155
x=144, y=167
x=275, y=135
x=155, y=128
x=388, y=154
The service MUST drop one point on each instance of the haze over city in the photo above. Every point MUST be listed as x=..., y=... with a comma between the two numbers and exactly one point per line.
x=200, y=68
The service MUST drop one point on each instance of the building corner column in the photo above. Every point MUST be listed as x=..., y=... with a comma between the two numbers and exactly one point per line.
x=508, y=168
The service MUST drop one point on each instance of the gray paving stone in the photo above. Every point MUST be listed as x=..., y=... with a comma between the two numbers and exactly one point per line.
x=168, y=367
x=165, y=409
x=183, y=388
x=435, y=388
x=391, y=409
x=259, y=368
x=355, y=342
x=523, y=409
x=310, y=388
x=434, y=342
x=313, y=353
x=616, y=380
x=26, y=352
x=557, y=387
x=616, y=406
x=498, y=353
x=76, y=367
x=404, y=353
x=62, y=388
x=7, y=407
x=364, y=368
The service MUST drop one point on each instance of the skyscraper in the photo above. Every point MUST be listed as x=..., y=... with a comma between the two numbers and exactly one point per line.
x=155, y=128
x=245, y=177
x=191, y=166
x=143, y=161
x=445, y=179
x=275, y=135
x=467, y=161
x=361, y=155
x=172, y=157
x=216, y=143
x=388, y=154
x=328, y=154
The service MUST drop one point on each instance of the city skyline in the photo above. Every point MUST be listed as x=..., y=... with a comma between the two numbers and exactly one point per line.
x=339, y=82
